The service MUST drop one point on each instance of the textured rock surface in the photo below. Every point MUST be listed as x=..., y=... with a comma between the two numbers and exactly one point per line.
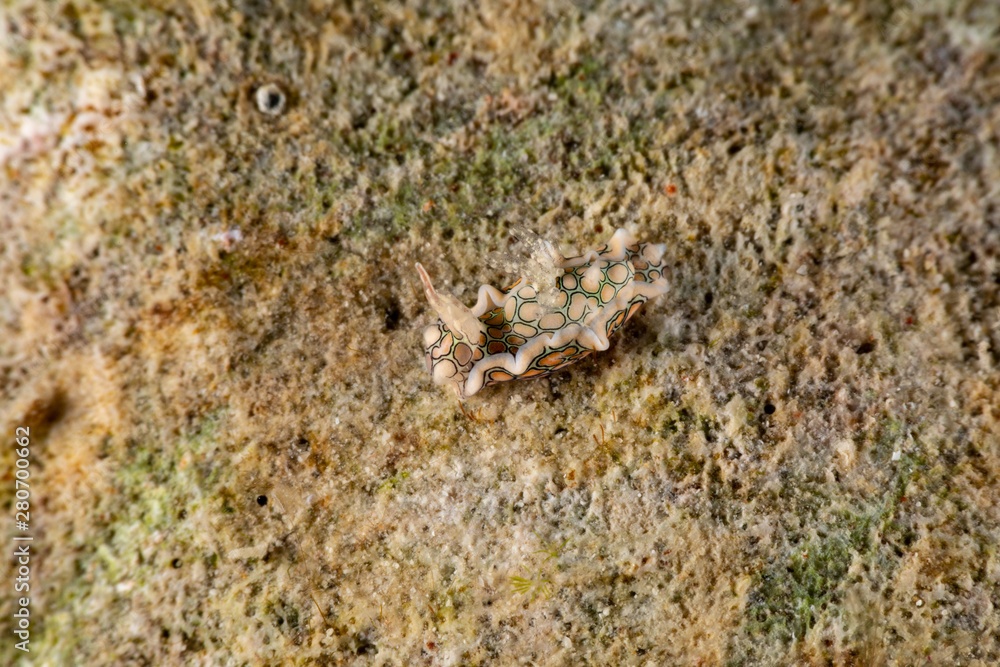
x=210, y=321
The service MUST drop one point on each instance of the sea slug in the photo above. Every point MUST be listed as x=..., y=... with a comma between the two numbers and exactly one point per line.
x=512, y=334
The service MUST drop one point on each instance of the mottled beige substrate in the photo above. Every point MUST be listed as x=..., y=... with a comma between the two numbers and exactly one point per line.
x=208, y=224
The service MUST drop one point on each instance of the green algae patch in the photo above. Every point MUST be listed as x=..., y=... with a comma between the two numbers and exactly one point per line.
x=788, y=599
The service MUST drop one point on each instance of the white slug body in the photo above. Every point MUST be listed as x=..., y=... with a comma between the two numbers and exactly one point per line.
x=508, y=334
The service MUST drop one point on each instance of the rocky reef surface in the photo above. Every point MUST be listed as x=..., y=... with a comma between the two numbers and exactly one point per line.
x=210, y=325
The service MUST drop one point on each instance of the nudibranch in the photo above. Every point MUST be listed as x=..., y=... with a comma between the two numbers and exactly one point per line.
x=512, y=334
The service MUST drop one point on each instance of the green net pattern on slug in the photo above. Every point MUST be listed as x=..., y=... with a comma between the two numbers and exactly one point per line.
x=509, y=334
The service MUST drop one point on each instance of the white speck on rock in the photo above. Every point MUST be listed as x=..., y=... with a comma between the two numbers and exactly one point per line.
x=270, y=99
x=229, y=238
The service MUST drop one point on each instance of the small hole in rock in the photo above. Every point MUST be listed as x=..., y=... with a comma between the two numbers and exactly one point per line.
x=392, y=316
x=270, y=99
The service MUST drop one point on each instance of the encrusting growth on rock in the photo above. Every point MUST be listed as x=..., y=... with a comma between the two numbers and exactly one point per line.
x=516, y=333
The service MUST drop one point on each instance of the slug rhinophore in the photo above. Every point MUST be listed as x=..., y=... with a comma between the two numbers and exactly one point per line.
x=511, y=334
